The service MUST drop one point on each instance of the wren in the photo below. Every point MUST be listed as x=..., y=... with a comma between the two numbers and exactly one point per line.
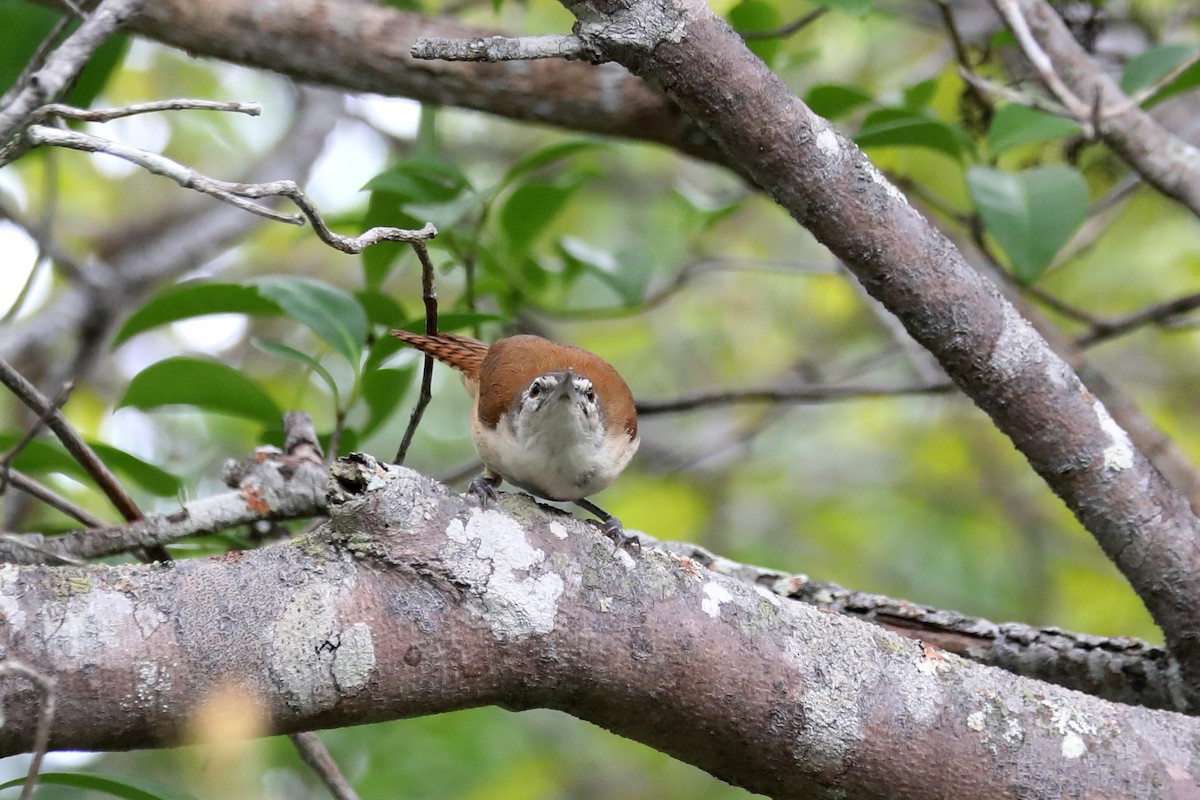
x=555, y=420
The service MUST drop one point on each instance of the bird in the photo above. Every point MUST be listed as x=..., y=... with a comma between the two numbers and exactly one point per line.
x=555, y=420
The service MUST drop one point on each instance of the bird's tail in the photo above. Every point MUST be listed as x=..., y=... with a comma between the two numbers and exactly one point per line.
x=461, y=352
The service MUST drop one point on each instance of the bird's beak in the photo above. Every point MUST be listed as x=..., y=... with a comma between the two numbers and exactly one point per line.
x=566, y=387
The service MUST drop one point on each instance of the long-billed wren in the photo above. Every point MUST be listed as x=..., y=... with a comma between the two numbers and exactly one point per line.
x=554, y=420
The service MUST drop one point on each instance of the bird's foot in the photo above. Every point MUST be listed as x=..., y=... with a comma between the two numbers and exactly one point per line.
x=483, y=490
x=614, y=530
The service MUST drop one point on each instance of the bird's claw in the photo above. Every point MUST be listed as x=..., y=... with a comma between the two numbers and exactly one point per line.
x=614, y=530
x=483, y=489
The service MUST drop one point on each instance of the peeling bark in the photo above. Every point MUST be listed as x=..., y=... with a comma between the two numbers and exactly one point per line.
x=409, y=601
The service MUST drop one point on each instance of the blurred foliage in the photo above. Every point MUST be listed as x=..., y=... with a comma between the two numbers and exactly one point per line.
x=915, y=497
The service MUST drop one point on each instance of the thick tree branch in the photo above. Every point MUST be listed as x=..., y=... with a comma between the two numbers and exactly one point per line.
x=368, y=50
x=983, y=343
x=409, y=601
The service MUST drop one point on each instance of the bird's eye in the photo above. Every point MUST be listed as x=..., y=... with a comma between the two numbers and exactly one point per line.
x=535, y=390
x=590, y=394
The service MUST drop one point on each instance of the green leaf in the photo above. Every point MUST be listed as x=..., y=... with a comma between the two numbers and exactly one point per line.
x=832, y=100
x=859, y=8
x=383, y=390
x=196, y=299
x=750, y=16
x=919, y=95
x=627, y=276
x=421, y=179
x=1032, y=214
x=1152, y=64
x=384, y=209
x=1015, y=125
x=43, y=456
x=281, y=350
x=208, y=385
x=547, y=155
x=329, y=312
x=897, y=127
x=153, y=479
x=381, y=309
x=529, y=210
x=126, y=788
x=26, y=24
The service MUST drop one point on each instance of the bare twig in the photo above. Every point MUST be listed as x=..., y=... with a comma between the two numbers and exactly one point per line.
x=1158, y=314
x=1020, y=98
x=236, y=194
x=429, y=295
x=76, y=446
x=269, y=485
x=500, y=48
x=34, y=429
x=314, y=753
x=1079, y=110
x=62, y=66
x=788, y=29
x=109, y=114
x=41, y=739
x=33, y=488
x=803, y=394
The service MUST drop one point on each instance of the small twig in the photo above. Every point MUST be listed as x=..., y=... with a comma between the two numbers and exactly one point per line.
x=59, y=401
x=40, y=491
x=1012, y=95
x=109, y=114
x=62, y=66
x=500, y=48
x=314, y=753
x=1142, y=95
x=41, y=739
x=45, y=555
x=1154, y=315
x=1077, y=108
x=37, y=59
x=429, y=294
x=236, y=194
x=76, y=446
x=788, y=29
x=806, y=394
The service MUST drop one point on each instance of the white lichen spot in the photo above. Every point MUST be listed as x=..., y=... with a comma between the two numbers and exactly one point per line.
x=1072, y=726
x=975, y=720
x=558, y=529
x=153, y=684
x=1118, y=455
x=606, y=604
x=297, y=643
x=148, y=617
x=714, y=595
x=491, y=554
x=1017, y=345
x=1073, y=745
x=354, y=658
x=1012, y=732
x=828, y=144
x=9, y=607
x=92, y=619
x=887, y=185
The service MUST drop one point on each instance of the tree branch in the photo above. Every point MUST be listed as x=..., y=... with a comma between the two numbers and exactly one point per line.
x=1165, y=161
x=410, y=601
x=1144, y=525
x=63, y=65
